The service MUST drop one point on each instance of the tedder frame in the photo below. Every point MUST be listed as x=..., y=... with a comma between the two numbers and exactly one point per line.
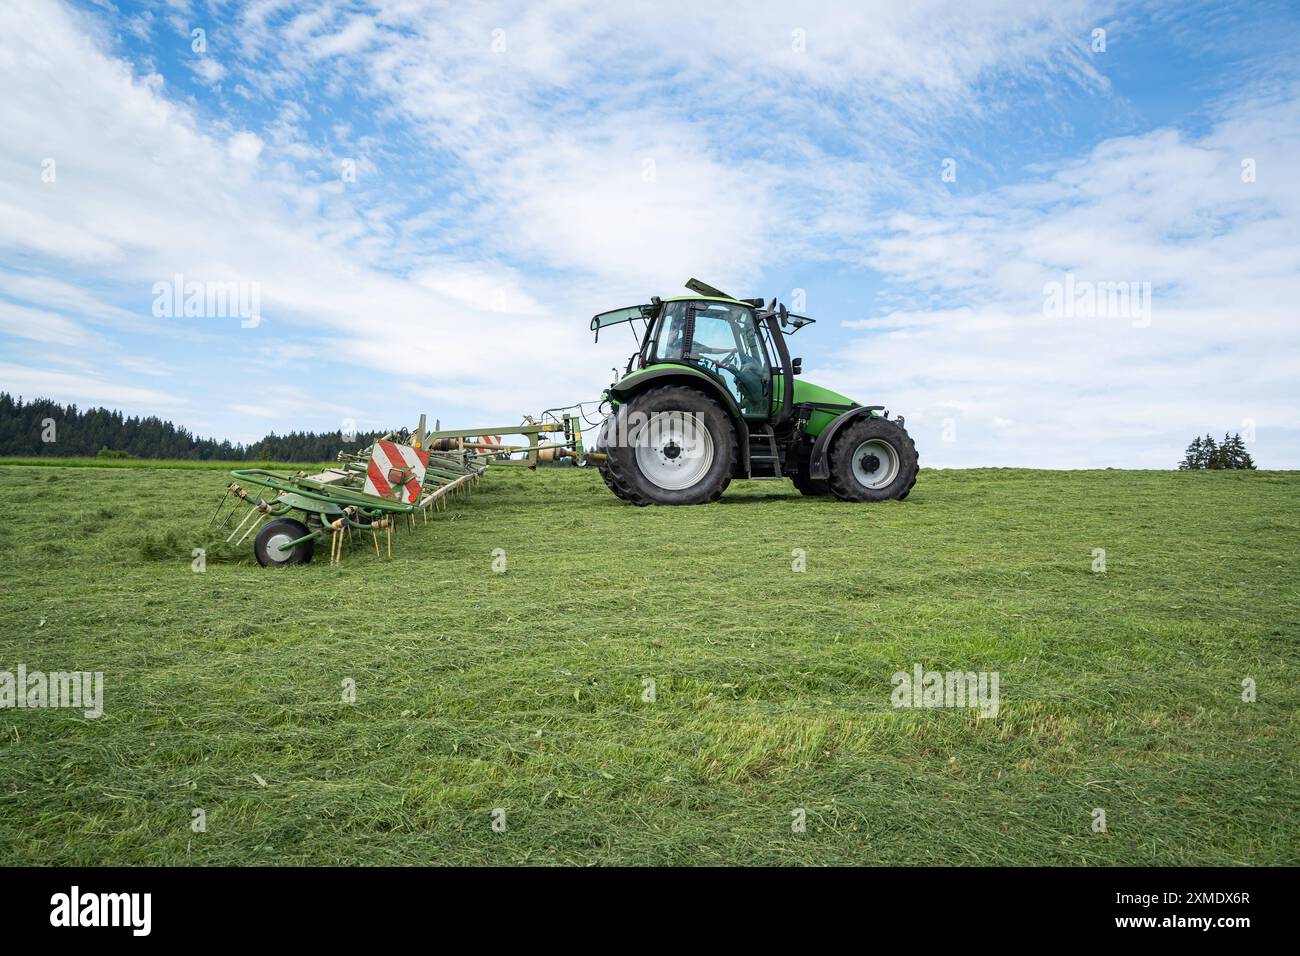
x=399, y=477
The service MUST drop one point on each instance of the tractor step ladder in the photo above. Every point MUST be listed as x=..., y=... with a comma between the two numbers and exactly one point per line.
x=764, y=458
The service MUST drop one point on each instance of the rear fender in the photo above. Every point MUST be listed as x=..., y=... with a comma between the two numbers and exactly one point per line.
x=637, y=382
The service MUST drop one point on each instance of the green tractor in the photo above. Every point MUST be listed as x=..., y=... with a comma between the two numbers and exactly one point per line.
x=711, y=395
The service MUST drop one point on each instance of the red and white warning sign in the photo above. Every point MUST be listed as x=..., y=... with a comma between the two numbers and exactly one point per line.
x=396, y=471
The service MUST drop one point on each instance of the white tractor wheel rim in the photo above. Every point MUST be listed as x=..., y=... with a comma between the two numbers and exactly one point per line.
x=875, y=464
x=273, y=546
x=677, y=452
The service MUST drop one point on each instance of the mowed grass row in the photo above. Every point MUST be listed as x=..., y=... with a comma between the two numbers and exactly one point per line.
x=523, y=690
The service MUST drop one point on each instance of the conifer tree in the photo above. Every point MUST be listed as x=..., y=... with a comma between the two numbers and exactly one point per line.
x=1209, y=453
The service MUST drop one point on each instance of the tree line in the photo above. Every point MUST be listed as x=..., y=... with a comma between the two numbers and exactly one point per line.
x=1207, y=453
x=43, y=427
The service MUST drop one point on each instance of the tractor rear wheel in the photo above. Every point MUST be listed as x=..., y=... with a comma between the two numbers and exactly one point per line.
x=603, y=468
x=605, y=465
x=680, y=451
x=873, y=459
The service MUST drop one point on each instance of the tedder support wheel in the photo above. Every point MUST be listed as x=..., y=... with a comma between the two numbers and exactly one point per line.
x=873, y=459
x=681, y=453
x=267, y=545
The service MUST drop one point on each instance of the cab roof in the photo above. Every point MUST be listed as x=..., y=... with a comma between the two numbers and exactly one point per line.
x=708, y=298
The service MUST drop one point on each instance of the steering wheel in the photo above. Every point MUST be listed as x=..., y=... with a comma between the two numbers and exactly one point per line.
x=747, y=382
x=721, y=363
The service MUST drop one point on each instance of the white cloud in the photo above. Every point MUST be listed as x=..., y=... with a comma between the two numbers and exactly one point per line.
x=43, y=326
x=357, y=34
x=543, y=208
x=144, y=191
x=87, y=389
x=209, y=70
x=69, y=299
x=245, y=147
x=552, y=122
x=1222, y=346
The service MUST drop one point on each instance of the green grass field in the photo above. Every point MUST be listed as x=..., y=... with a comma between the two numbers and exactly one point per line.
x=523, y=690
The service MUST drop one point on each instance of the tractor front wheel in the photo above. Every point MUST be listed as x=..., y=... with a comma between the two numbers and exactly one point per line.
x=873, y=459
x=680, y=448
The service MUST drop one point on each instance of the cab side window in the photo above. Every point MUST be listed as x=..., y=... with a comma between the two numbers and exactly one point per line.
x=724, y=344
x=672, y=329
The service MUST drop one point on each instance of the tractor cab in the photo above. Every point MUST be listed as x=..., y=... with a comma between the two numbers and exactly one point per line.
x=736, y=342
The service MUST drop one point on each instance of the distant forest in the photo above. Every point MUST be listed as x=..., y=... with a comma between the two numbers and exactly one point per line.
x=44, y=428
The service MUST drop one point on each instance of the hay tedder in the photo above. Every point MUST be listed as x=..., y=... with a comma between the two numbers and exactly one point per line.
x=393, y=483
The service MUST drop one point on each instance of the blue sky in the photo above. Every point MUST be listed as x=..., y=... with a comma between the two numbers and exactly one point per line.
x=430, y=201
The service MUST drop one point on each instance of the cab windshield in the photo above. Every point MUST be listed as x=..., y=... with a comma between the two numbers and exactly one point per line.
x=724, y=342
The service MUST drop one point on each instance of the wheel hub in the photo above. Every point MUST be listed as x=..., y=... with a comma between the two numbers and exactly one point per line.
x=875, y=463
x=276, y=547
x=678, y=451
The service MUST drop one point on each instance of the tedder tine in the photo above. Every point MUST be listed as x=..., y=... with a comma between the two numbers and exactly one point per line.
x=240, y=495
x=242, y=521
x=251, y=528
x=220, y=504
x=226, y=520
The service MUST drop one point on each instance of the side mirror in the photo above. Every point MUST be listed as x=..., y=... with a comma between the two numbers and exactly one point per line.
x=796, y=366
